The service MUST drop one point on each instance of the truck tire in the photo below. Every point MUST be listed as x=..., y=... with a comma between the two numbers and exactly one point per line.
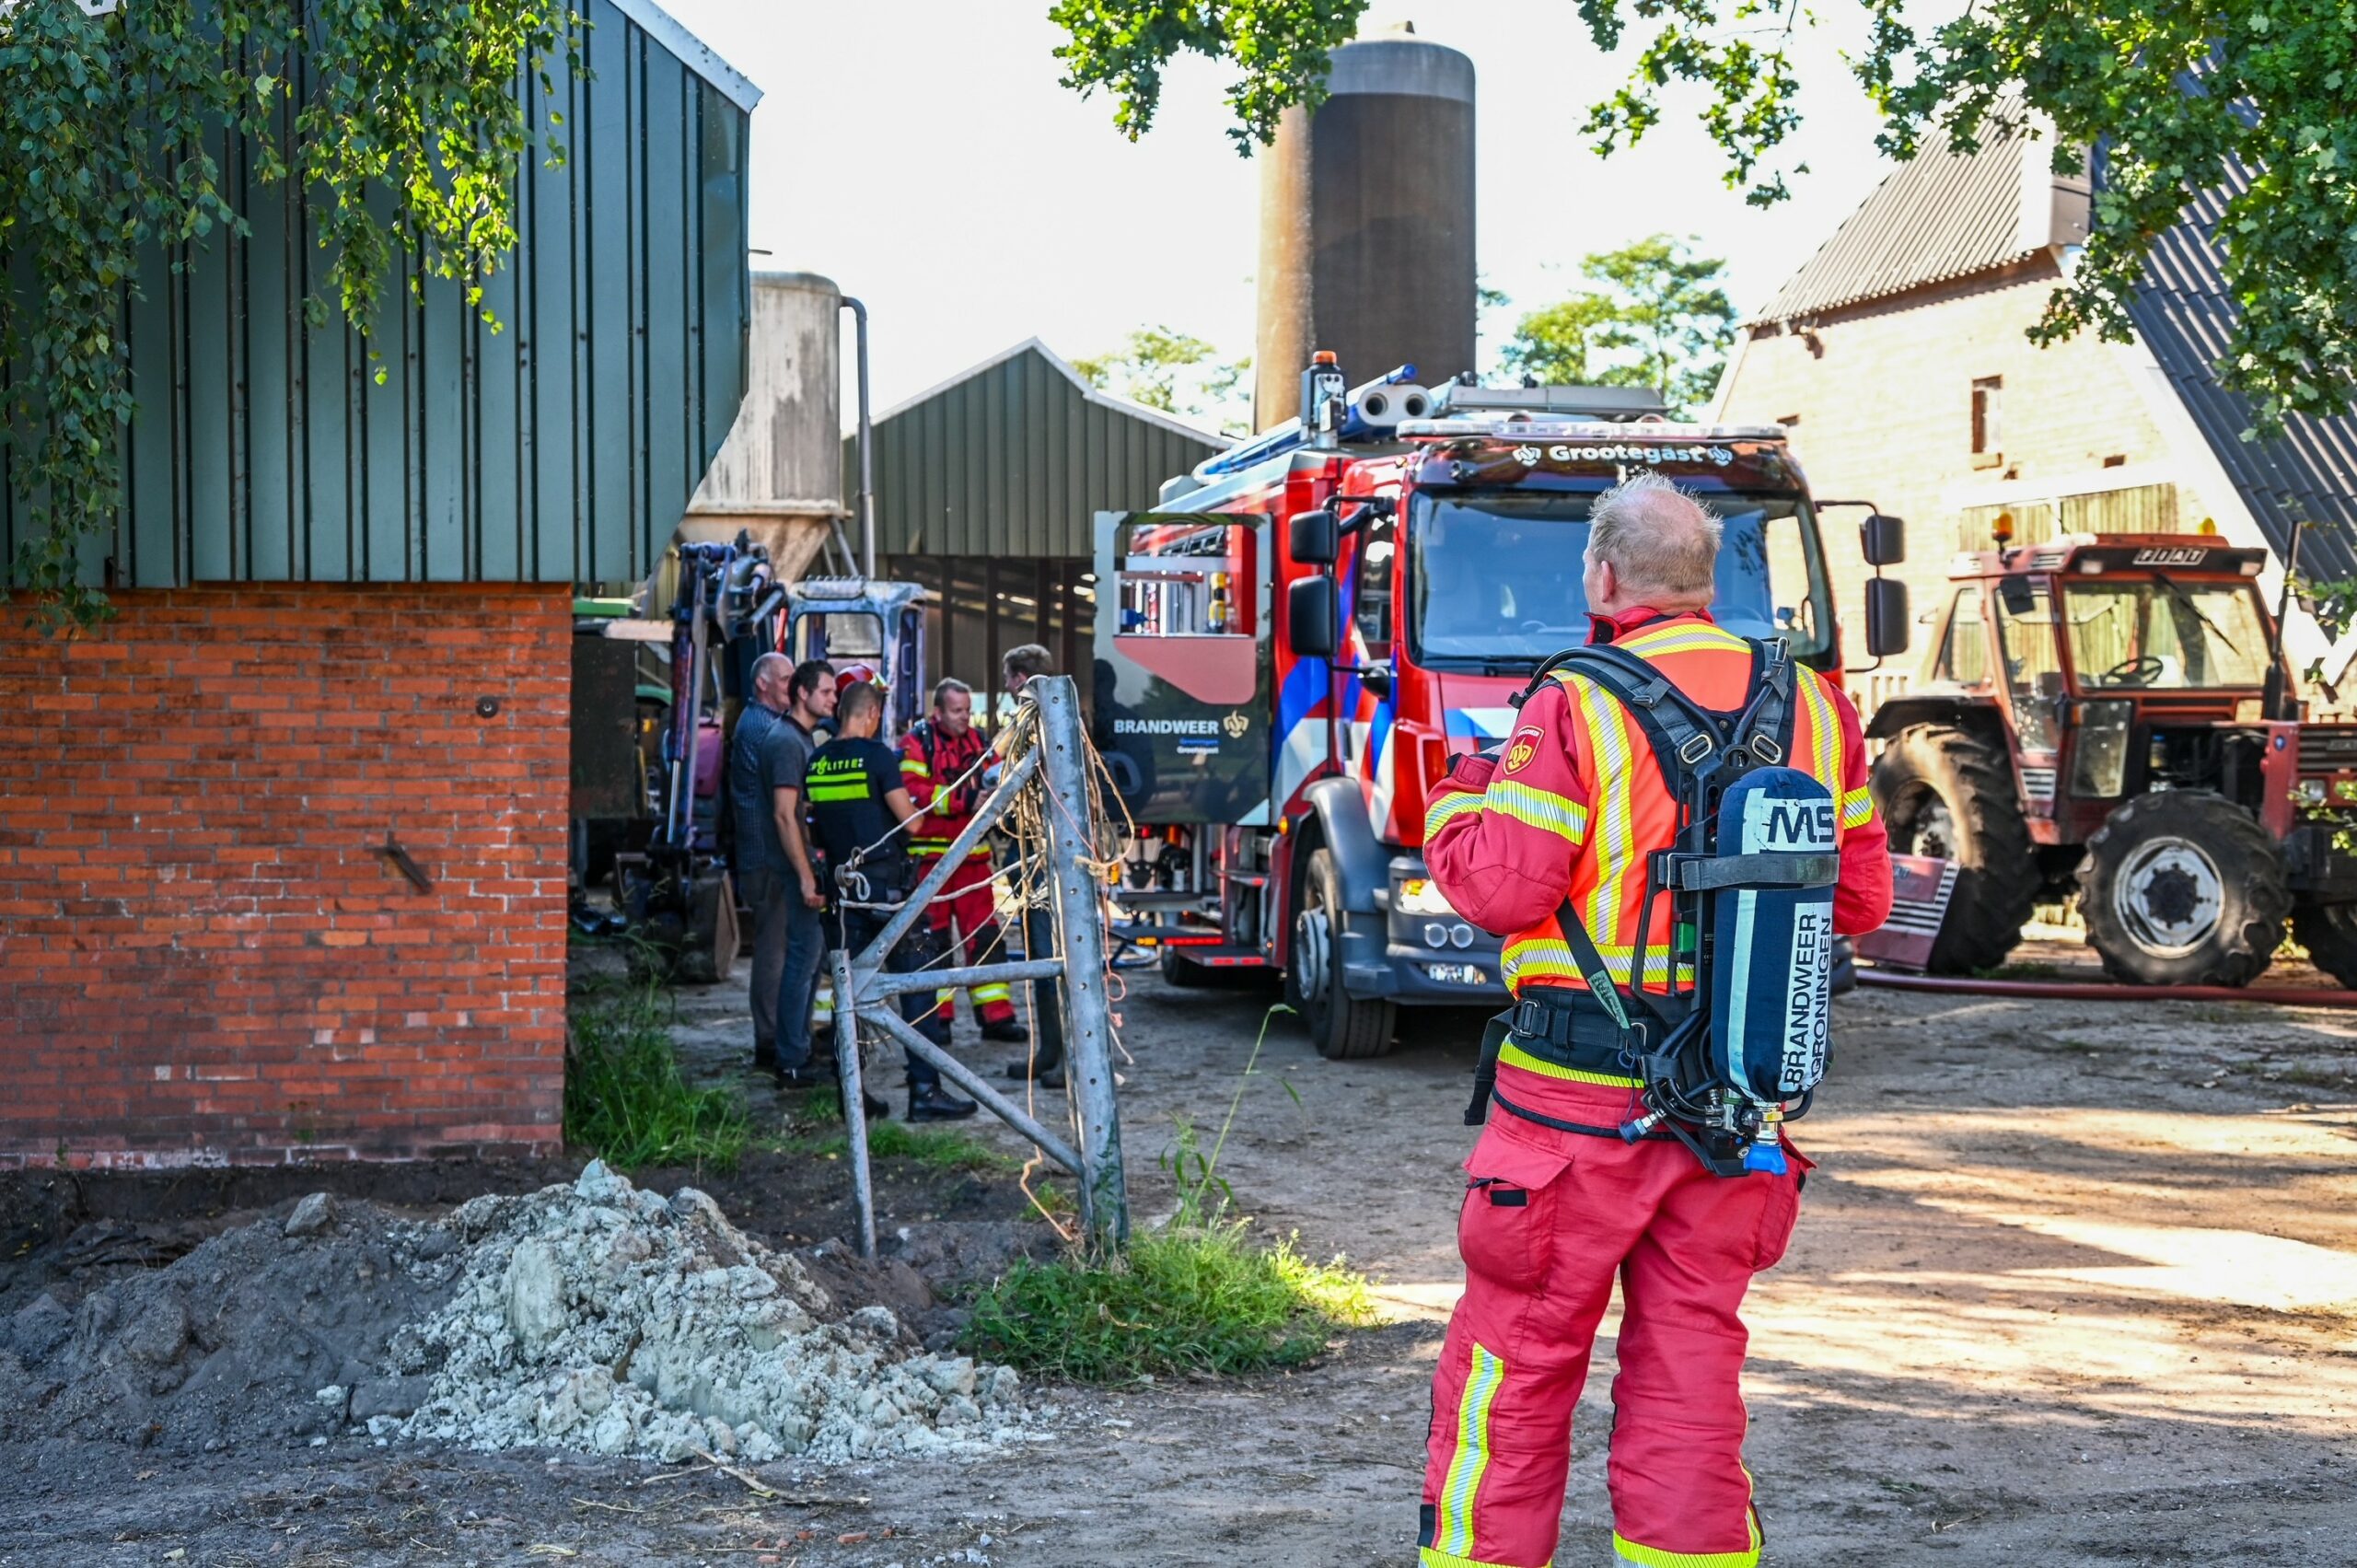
x=1343, y=1028
x=2329, y=933
x=1180, y=971
x=2183, y=887
x=1947, y=792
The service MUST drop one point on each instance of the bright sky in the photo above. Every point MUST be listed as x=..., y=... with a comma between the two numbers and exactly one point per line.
x=922, y=154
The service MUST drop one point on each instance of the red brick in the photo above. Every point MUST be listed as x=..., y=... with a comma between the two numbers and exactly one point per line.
x=190, y=804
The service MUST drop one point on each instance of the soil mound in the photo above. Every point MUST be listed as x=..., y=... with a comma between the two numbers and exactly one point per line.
x=233, y=1341
x=590, y=1314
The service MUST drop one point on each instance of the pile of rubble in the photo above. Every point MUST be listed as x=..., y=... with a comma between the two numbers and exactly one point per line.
x=590, y=1315
x=599, y=1316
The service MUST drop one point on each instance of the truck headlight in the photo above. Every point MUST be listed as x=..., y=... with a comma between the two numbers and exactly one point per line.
x=1421, y=895
x=2312, y=790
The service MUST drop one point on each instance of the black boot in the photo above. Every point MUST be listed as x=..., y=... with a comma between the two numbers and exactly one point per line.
x=1008, y=1031
x=933, y=1103
x=1048, y=1073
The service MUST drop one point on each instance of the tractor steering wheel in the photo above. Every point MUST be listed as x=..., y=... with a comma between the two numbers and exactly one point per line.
x=2142, y=670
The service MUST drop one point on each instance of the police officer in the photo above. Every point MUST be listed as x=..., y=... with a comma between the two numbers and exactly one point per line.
x=1557, y=827
x=856, y=800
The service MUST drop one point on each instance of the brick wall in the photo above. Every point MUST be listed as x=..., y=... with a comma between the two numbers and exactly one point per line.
x=202, y=957
x=1879, y=402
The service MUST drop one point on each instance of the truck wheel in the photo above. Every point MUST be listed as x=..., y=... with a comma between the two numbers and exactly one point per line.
x=1946, y=792
x=1343, y=1028
x=1180, y=971
x=2329, y=933
x=2183, y=887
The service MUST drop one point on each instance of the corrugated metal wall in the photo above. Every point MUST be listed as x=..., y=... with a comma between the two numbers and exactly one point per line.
x=561, y=447
x=1014, y=460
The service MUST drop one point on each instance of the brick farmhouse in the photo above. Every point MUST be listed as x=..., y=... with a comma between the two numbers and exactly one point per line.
x=1898, y=359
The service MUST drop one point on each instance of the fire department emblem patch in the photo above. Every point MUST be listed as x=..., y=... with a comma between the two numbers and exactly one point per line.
x=1523, y=748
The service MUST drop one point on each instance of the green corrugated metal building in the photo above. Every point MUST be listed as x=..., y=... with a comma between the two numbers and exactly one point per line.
x=987, y=488
x=562, y=447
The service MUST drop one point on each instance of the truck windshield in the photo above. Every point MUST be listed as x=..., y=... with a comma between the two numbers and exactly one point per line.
x=1495, y=579
x=2165, y=632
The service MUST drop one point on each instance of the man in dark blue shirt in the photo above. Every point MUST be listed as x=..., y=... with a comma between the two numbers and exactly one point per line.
x=767, y=758
x=856, y=801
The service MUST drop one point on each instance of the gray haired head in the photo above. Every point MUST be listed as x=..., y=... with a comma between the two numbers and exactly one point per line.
x=1662, y=541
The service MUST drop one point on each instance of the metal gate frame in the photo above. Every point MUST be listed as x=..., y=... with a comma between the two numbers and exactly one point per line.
x=1056, y=762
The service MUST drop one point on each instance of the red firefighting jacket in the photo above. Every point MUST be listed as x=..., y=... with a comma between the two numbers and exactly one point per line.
x=1575, y=801
x=932, y=760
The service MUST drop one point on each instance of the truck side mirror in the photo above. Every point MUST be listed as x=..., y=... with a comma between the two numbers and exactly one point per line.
x=1317, y=537
x=1311, y=608
x=1888, y=629
x=1882, y=539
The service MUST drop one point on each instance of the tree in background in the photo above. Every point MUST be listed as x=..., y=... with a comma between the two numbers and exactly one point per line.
x=2178, y=97
x=1663, y=322
x=1175, y=373
x=408, y=131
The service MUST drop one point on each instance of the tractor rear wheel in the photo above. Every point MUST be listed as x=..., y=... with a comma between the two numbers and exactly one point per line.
x=2329, y=933
x=2183, y=887
x=1947, y=792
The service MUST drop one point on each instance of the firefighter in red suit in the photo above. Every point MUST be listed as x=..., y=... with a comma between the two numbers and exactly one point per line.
x=1567, y=809
x=939, y=758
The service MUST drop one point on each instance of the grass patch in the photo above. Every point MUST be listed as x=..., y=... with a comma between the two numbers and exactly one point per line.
x=936, y=1149
x=1201, y=1300
x=1201, y=1296
x=624, y=1097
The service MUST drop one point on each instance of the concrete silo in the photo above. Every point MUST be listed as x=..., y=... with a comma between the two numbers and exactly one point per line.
x=1366, y=223
x=779, y=474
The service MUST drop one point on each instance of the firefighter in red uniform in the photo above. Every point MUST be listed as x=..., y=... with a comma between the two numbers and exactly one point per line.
x=1557, y=1203
x=939, y=758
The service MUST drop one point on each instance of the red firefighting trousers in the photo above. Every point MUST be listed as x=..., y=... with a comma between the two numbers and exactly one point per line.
x=977, y=940
x=1550, y=1218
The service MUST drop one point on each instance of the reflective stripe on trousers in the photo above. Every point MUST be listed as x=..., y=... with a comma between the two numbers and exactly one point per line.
x=1550, y=1219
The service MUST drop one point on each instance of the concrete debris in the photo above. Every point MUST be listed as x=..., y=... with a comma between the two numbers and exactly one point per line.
x=599, y=1316
x=590, y=1315
x=311, y=1215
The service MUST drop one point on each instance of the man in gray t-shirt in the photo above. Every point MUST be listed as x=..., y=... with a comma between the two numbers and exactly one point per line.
x=767, y=758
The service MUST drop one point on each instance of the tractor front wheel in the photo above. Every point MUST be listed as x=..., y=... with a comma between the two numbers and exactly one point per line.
x=2183, y=887
x=1948, y=792
x=2329, y=933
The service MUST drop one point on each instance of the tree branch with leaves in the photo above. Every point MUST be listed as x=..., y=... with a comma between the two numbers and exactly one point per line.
x=1170, y=371
x=2256, y=99
x=410, y=133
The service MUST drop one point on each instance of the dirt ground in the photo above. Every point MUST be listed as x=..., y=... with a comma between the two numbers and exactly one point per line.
x=2076, y=1283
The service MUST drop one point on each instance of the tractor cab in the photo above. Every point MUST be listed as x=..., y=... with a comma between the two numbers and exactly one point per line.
x=2110, y=716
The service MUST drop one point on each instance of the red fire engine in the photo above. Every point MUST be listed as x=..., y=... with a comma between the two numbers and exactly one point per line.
x=1291, y=647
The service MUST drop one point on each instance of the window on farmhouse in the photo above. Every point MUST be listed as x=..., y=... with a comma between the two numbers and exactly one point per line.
x=1988, y=439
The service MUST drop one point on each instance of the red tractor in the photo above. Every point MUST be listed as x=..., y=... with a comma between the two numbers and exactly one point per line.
x=2111, y=715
